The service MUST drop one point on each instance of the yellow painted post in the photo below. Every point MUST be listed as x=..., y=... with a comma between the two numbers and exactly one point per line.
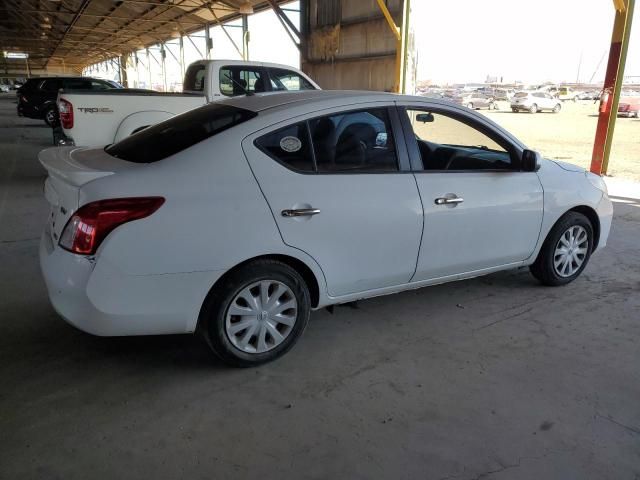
x=399, y=51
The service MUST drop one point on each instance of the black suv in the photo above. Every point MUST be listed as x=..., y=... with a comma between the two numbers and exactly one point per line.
x=37, y=97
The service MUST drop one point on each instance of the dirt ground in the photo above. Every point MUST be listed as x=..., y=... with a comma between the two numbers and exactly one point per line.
x=569, y=135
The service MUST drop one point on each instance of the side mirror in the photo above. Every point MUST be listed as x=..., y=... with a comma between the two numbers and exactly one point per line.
x=530, y=161
x=424, y=117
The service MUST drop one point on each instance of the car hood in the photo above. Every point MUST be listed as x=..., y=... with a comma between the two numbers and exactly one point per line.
x=569, y=167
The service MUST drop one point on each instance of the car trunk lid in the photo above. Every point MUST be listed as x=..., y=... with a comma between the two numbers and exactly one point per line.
x=70, y=168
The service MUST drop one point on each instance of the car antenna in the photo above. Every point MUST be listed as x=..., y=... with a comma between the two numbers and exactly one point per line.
x=238, y=84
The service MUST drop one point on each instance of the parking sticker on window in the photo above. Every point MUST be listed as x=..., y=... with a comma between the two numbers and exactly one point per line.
x=290, y=144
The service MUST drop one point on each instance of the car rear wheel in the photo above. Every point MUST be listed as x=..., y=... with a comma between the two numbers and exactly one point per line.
x=256, y=314
x=515, y=110
x=51, y=116
x=557, y=108
x=533, y=108
x=565, y=252
x=470, y=105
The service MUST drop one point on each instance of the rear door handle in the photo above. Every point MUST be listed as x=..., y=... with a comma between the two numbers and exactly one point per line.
x=447, y=201
x=301, y=212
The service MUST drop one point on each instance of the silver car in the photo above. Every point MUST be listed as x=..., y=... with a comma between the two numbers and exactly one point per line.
x=535, y=102
x=476, y=101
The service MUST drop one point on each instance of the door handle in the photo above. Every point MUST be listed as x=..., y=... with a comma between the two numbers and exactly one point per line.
x=301, y=212
x=447, y=201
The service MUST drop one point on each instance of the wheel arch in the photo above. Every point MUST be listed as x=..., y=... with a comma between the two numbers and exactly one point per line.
x=591, y=214
x=298, y=265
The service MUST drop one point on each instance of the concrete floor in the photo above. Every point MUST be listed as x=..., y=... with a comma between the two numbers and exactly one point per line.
x=492, y=378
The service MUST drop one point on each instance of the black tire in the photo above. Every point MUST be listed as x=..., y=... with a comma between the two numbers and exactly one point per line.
x=533, y=108
x=543, y=268
x=51, y=116
x=557, y=108
x=515, y=110
x=470, y=105
x=213, y=314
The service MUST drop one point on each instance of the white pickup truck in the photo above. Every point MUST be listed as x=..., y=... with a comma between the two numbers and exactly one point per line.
x=97, y=119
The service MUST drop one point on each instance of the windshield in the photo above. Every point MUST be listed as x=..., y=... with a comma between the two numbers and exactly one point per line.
x=178, y=133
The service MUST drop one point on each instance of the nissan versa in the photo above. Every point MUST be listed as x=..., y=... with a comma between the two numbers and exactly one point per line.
x=238, y=218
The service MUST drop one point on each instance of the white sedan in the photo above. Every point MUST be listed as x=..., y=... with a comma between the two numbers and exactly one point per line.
x=238, y=218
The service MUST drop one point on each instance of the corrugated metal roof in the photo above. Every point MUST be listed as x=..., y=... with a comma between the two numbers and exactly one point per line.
x=82, y=32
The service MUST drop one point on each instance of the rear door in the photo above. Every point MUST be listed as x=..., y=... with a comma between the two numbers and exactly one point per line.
x=340, y=188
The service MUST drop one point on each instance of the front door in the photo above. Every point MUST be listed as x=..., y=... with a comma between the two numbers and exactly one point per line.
x=481, y=212
x=339, y=191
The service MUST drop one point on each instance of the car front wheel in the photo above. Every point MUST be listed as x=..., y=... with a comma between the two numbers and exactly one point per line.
x=565, y=252
x=257, y=313
x=533, y=108
x=557, y=108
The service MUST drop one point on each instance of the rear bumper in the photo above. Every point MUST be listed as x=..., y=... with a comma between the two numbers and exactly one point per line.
x=515, y=106
x=101, y=300
x=627, y=114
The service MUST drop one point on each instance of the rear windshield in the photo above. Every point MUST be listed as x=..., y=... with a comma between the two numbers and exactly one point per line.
x=194, y=78
x=178, y=133
x=521, y=94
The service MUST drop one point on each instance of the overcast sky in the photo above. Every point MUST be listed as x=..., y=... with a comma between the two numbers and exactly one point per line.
x=466, y=40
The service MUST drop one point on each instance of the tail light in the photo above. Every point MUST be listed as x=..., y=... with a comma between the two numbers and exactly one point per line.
x=88, y=227
x=65, y=109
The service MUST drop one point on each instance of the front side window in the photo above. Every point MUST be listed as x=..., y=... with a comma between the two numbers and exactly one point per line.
x=282, y=80
x=238, y=80
x=289, y=146
x=178, y=133
x=446, y=143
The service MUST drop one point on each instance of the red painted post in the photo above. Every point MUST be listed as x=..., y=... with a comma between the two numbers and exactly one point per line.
x=612, y=86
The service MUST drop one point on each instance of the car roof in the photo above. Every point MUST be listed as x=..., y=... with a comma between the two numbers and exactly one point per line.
x=280, y=100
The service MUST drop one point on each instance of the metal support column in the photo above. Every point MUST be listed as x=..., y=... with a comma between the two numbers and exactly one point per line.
x=208, y=42
x=150, y=87
x=181, y=56
x=163, y=65
x=401, y=42
x=612, y=85
x=124, y=81
x=245, y=37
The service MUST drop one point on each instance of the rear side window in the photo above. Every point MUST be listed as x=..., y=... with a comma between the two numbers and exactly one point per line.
x=178, y=133
x=194, y=78
x=77, y=84
x=98, y=85
x=51, y=85
x=289, y=146
x=359, y=142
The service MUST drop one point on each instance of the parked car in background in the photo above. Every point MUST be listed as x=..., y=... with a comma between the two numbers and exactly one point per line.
x=37, y=97
x=629, y=107
x=237, y=218
x=113, y=116
x=4, y=88
x=564, y=93
x=534, y=102
x=476, y=100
